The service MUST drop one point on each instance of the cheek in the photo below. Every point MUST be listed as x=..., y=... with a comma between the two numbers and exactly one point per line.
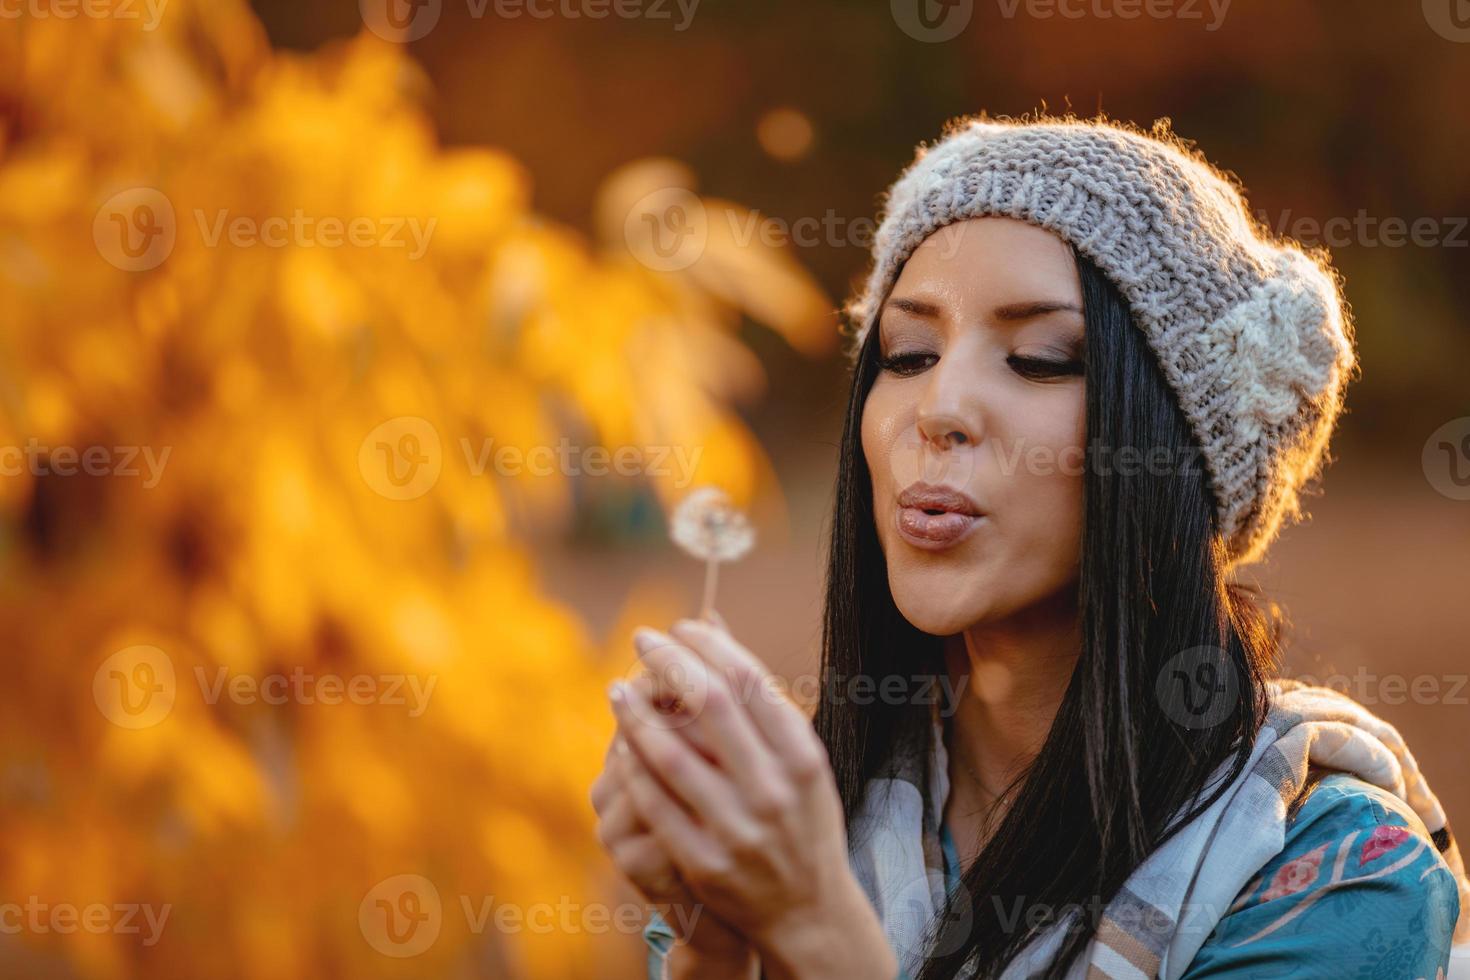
x=1045, y=492
x=882, y=421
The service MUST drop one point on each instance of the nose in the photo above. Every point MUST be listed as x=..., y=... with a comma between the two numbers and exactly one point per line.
x=948, y=413
x=945, y=448
x=949, y=410
x=943, y=431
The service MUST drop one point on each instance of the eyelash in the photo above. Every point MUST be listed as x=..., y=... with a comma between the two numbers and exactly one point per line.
x=901, y=364
x=1044, y=367
x=1034, y=368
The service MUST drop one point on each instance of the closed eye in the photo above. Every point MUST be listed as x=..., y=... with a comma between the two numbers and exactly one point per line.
x=1044, y=368
x=908, y=363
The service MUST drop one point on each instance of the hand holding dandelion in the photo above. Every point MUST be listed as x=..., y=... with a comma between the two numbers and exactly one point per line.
x=735, y=796
x=707, y=526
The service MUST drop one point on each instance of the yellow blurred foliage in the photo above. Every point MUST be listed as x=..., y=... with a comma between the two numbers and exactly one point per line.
x=243, y=528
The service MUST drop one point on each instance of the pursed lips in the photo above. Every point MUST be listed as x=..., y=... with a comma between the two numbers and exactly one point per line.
x=934, y=517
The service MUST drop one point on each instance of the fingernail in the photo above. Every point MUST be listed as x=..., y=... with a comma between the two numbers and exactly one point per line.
x=644, y=640
x=615, y=694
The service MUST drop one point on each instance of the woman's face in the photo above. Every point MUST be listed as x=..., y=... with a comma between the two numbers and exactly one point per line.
x=981, y=397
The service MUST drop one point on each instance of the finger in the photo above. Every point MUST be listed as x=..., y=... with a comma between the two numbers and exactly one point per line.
x=662, y=691
x=713, y=707
x=781, y=723
x=680, y=720
x=671, y=825
x=608, y=783
x=618, y=821
x=643, y=860
x=604, y=786
x=623, y=761
x=706, y=792
x=676, y=681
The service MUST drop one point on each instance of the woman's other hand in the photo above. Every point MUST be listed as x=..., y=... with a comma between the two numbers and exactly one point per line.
x=737, y=790
x=712, y=948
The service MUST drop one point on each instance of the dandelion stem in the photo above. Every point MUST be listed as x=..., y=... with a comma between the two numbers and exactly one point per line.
x=711, y=575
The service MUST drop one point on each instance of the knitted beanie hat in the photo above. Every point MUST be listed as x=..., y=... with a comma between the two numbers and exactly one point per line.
x=1251, y=331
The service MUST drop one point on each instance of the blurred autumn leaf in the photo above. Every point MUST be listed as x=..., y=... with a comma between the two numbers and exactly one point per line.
x=285, y=487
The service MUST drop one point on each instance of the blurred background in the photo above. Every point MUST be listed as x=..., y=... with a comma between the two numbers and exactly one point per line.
x=352, y=356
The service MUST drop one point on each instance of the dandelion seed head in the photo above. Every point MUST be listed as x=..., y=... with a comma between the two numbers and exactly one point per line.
x=707, y=526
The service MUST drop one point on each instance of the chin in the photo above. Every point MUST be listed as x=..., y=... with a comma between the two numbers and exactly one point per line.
x=934, y=607
x=944, y=598
x=936, y=593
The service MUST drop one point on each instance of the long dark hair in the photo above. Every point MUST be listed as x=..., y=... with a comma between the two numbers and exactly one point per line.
x=1131, y=746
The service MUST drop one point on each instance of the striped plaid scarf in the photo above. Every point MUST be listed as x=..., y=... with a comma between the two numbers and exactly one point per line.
x=1171, y=903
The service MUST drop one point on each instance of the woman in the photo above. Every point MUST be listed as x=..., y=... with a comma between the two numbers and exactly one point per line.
x=1086, y=387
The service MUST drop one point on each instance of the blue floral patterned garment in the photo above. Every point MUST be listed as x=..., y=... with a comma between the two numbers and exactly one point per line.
x=1359, y=892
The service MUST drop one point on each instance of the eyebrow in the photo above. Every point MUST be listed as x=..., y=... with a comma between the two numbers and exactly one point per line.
x=1010, y=312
